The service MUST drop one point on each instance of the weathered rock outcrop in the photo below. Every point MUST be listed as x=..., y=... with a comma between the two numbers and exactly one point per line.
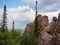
x=51, y=30
x=42, y=21
x=59, y=18
x=48, y=30
x=29, y=27
x=55, y=25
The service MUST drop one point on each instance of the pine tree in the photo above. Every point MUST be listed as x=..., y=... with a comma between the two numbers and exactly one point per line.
x=4, y=21
x=13, y=26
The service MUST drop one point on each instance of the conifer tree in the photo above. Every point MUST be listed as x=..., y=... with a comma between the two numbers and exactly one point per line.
x=13, y=26
x=36, y=21
x=4, y=21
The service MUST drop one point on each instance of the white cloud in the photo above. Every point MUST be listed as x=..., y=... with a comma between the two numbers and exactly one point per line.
x=53, y=7
x=19, y=15
x=51, y=15
x=45, y=5
x=23, y=15
x=41, y=1
x=31, y=1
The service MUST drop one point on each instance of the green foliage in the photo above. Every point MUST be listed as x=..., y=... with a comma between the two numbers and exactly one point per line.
x=9, y=37
x=15, y=38
x=29, y=39
x=36, y=26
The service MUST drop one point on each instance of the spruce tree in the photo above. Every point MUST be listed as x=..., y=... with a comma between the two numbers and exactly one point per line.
x=4, y=21
x=13, y=26
x=36, y=22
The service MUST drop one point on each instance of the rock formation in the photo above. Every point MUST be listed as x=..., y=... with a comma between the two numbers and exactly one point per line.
x=29, y=27
x=59, y=18
x=55, y=25
x=53, y=29
x=42, y=20
x=48, y=30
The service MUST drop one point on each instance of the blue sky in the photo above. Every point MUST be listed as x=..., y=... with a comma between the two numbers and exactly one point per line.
x=23, y=11
x=43, y=5
x=12, y=3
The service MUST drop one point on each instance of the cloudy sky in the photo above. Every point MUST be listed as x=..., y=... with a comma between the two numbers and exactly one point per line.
x=23, y=11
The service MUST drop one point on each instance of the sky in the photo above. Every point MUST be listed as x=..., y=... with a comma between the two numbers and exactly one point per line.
x=23, y=11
